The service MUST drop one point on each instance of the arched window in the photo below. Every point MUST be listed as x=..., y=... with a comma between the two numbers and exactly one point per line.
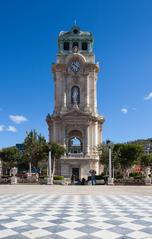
x=75, y=44
x=66, y=46
x=75, y=31
x=75, y=95
x=84, y=46
x=75, y=145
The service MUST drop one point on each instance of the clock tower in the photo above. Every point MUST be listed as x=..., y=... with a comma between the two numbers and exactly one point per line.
x=75, y=122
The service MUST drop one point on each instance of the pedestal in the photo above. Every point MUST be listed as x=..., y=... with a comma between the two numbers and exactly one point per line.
x=13, y=180
x=49, y=181
x=1, y=170
x=110, y=181
x=148, y=181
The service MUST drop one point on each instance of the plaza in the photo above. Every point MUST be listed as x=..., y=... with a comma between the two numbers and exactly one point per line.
x=82, y=212
x=75, y=120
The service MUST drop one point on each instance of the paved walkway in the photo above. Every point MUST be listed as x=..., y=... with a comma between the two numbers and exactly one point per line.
x=25, y=216
x=75, y=212
x=78, y=190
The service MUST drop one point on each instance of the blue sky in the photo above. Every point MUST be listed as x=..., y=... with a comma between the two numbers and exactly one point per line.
x=123, y=46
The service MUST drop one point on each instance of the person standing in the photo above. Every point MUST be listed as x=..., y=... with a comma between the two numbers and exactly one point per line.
x=93, y=176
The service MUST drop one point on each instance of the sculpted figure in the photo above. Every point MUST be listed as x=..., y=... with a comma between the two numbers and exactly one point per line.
x=75, y=96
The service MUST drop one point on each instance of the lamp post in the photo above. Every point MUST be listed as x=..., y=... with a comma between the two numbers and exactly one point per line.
x=1, y=169
x=30, y=169
x=49, y=179
x=110, y=179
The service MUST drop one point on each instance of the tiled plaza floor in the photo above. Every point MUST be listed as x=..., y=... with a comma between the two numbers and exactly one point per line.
x=25, y=216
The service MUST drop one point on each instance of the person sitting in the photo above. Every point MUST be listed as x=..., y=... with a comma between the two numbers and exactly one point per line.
x=83, y=181
x=72, y=179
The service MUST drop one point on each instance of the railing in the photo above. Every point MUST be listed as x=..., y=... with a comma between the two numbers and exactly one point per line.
x=79, y=155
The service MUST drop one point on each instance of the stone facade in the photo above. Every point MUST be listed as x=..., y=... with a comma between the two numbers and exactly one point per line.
x=75, y=122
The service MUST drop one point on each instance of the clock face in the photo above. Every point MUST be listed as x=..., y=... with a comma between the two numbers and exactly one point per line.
x=75, y=66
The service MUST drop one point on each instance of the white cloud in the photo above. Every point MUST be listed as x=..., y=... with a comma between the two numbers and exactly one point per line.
x=124, y=110
x=11, y=129
x=148, y=97
x=18, y=119
x=2, y=128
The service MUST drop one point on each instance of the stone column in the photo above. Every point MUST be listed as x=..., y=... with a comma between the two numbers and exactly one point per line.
x=57, y=92
x=70, y=46
x=55, y=102
x=96, y=134
x=87, y=140
x=51, y=133
x=79, y=45
x=68, y=89
x=64, y=100
x=64, y=140
x=61, y=46
x=54, y=131
x=86, y=99
x=95, y=96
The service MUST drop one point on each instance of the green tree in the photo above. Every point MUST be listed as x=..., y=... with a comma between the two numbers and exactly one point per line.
x=35, y=148
x=116, y=154
x=103, y=153
x=128, y=154
x=146, y=160
x=10, y=157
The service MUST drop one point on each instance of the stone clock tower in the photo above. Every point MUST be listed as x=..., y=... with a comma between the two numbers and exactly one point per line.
x=75, y=122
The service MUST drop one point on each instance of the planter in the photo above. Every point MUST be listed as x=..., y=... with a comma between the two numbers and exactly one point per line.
x=58, y=182
x=67, y=181
x=13, y=180
x=100, y=182
x=130, y=181
x=148, y=181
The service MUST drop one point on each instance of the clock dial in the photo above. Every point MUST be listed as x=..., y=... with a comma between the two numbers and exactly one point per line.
x=75, y=66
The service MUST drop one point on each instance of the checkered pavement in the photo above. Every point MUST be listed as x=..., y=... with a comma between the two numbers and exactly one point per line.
x=26, y=216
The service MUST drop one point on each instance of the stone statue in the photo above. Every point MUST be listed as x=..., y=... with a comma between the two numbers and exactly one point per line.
x=75, y=96
x=75, y=49
x=148, y=178
x=14, y=178
x=14, y=171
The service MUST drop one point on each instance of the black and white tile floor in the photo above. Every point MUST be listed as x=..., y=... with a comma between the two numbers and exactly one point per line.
x=68, y=217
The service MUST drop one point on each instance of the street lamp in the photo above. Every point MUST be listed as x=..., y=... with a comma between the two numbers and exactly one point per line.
x=110, y=179
x=1, y=169
x=50, y=179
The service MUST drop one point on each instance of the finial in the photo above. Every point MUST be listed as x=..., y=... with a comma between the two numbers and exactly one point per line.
x=75, y=22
